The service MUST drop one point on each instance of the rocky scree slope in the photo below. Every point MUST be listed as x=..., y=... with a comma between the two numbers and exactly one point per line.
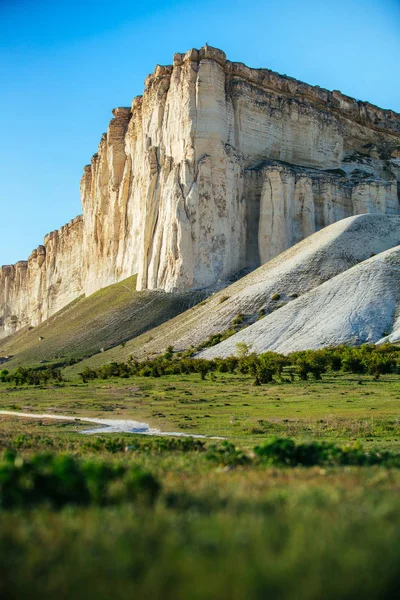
x=355, y=307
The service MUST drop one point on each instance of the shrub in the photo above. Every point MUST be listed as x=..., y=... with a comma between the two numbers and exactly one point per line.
x=87, y=374
x=60, y=480
x=4, y=375
x=284, y=451
x=242, y=349
x=309, y=362
x=226, y=453
x=203, y=367
x=169, y=353
x=238, y=320
x=353, y=361
x=270, y=364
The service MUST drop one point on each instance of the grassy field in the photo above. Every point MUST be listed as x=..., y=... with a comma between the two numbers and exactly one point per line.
x=219, y=526
x=339, y=407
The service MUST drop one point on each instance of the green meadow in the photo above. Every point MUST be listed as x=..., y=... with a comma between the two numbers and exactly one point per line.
x=124, y=515
x=341, y=408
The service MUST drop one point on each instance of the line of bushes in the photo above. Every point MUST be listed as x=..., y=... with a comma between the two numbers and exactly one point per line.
x=264, y=368
x=31, y=376
x=284, y=451
x=156, y=445
x=275, y=451
x=58, y=480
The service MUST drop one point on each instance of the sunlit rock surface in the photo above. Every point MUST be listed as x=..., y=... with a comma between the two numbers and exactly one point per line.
x=33, y=290
x=216, y=169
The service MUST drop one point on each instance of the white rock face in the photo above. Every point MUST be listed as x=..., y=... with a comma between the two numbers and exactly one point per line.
x=33, y=290
x=355, y=307
x=215, y=169
x=295, y=203
x=203, y=186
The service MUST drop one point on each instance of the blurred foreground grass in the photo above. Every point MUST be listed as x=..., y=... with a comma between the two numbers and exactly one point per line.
x=225, y=534
x=218, y=527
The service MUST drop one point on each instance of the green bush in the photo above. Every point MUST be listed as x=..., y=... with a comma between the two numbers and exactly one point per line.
x=226, y=453
x=309, y=362
x=238, y=320
x=284, y=451
x=58, y=480
x=149, y=445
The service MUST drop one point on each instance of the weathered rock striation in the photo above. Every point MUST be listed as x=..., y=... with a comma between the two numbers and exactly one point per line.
x=216, y=169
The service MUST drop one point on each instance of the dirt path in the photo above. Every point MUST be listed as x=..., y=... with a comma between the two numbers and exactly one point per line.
x=108, y=425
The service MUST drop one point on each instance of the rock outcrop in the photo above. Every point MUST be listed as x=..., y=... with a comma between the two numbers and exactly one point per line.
x=216, y=169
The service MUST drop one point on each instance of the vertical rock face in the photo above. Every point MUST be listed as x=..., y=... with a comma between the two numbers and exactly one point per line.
x=295, y=203
x=215, y=169
x=33, y=290
x=224, y=167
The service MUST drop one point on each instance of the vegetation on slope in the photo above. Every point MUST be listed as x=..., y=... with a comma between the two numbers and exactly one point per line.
x=92, y=325
x=267, y=367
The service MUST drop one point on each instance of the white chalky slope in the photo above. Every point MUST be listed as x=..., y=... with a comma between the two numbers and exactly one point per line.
x=360, y=305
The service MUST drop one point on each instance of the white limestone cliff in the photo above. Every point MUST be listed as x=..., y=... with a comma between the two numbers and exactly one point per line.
x=33, y=290
x=216, y=169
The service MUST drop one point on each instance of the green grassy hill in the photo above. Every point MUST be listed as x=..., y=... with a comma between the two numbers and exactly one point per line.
x=104, y=320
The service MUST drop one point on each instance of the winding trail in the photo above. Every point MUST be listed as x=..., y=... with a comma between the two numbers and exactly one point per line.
x=109, y=425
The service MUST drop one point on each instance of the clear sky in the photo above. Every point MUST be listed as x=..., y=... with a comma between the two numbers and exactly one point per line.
x=65, y=65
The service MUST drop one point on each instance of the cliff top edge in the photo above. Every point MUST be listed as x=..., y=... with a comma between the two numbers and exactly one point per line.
x=274, y=81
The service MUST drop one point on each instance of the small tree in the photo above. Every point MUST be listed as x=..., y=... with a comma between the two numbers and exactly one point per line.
x=353, y=361
x=169, y=353
x=242, y=350
x=378, y=364
x=203, y=367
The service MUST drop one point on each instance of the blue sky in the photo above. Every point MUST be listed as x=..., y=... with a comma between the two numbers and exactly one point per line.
x=64, y=66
